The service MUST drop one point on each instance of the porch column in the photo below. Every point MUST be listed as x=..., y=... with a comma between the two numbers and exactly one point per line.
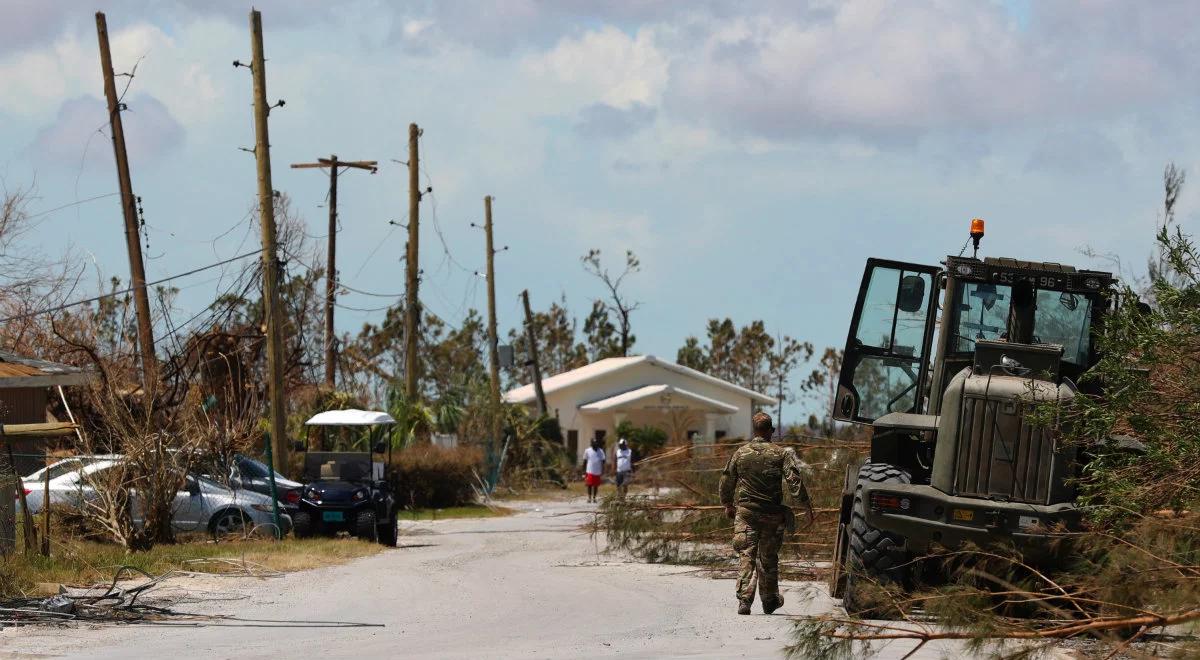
x=710, y=427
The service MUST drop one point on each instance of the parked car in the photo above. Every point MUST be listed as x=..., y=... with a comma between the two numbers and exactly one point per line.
x=202, y=504
x=345, y=492
x=254, y=475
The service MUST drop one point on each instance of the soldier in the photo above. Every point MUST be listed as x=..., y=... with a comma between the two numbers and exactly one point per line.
x=752, y=492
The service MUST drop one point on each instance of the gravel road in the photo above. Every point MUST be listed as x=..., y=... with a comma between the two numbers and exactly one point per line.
x=529, y=586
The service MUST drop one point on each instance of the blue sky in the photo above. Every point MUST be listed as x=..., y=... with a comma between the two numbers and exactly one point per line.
x=752, y=154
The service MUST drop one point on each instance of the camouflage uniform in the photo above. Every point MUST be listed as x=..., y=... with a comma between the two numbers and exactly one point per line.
x=753, y=482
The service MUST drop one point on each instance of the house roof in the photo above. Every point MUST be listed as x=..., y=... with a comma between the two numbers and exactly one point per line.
x=599, y=368
x=350, y=417
x=17, y=371
x=650, y=391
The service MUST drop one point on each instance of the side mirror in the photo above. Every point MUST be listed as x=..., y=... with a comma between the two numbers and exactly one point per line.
x=193, y=487
x=912, y=294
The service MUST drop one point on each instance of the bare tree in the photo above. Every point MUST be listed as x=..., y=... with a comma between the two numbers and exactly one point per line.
x=617, y=303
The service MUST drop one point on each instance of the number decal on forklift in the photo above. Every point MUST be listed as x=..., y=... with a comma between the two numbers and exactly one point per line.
x=964, y=514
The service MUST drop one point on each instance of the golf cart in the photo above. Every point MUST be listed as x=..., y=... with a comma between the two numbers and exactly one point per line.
x=347, y=490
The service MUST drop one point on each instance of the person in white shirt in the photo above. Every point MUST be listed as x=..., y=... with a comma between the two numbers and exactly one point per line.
x=593, y=461
x=623, y=463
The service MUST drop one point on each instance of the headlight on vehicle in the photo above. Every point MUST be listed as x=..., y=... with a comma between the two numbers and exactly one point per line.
x=360, y=495
x=312, y=494
x=265, y=508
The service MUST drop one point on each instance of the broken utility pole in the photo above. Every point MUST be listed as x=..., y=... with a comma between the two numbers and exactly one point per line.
x=412, y=302
x=278, y=451
x=531, y=337
x=493, y=354
x=331, y=262
x=137, y=270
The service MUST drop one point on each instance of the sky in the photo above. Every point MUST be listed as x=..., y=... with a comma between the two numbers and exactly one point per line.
x=752, y=154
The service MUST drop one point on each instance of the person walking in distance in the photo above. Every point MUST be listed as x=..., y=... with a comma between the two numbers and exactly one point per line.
x=593, y=464
x=623, y=464
x=752, y=492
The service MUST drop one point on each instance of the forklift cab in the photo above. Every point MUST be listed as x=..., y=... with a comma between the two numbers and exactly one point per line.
x=906, y=312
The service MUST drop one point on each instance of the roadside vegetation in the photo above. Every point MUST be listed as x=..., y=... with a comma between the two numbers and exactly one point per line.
x=76, y=562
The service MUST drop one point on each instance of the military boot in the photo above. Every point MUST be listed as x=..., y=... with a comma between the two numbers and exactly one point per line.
x=743, y=607
x=769, y=606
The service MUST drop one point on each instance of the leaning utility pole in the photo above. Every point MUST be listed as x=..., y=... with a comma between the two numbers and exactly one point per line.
x=533, y=355
x=412, y=306
x=494, y=356
x=331, y=262
x=137, y=271
x=266, y=208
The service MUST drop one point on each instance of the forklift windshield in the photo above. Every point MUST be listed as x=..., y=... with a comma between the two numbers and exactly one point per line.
x=985, y=311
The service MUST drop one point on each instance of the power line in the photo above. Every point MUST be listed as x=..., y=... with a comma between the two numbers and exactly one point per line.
x=67, y=206
x=129, y=290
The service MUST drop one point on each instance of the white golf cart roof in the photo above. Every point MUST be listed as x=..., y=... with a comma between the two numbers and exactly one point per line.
x=350, y=417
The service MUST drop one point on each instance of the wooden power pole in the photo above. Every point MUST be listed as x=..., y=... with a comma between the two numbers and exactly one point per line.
x=266, y=208
x=331, y=262
x=137, y=270
x=494, y=356
x=412, y=306
x=531, y=337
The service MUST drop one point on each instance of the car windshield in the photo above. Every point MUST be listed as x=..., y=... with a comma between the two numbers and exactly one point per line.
x=1061, y=318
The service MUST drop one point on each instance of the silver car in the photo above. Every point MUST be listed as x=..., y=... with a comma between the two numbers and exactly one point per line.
x=202, y=504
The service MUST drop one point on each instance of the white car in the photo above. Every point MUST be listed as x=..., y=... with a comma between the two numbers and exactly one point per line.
x=202, y=505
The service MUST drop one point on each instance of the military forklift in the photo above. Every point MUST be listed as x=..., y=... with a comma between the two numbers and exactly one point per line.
x=955, y=456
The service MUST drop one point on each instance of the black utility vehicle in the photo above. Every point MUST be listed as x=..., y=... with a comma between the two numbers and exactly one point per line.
x=342, y=492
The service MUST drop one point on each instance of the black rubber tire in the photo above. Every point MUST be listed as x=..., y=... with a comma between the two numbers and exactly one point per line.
x=389, y=533
x=302, y=525
x=873, y=555
x=227, y=522
x=364, y=526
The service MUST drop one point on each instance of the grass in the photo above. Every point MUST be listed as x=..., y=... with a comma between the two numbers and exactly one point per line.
x=467, y=511
x=78, y=562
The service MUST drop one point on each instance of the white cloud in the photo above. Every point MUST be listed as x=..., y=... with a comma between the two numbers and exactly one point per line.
x=605, y=65
x=81, y=128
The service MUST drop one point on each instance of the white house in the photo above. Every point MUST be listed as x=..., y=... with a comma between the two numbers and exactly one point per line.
x=591, y=401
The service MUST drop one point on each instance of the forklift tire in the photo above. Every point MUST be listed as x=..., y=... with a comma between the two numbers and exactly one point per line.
x=302, y=525
x=875, y=558
x=364, y=526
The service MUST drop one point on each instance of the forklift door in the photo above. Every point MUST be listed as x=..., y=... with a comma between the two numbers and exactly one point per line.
x=885, y=366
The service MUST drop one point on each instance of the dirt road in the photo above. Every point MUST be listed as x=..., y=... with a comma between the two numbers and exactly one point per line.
x=528, y=585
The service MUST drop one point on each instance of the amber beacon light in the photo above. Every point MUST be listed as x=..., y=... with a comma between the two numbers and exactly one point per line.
x=976, y=233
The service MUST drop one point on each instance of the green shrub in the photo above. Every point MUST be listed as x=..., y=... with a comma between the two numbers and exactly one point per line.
x=643, y=440
x=432, y=477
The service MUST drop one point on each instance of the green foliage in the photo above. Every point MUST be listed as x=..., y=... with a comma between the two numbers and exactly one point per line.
x=433, y=477
x=643, y=440
x=1150, y=388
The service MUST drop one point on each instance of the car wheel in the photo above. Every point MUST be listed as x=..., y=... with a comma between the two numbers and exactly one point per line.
x=302, y=524
x=228, y=523
x=364, y=527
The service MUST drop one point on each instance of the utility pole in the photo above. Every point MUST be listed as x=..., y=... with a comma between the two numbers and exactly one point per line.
x=266, y=208
x=137, y=271
x=331, y=262
x=412, y=307
x=494, y=356
x=533, y=355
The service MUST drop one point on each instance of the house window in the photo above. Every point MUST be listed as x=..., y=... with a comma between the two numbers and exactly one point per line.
x=599, y=436
x=573, y=441
x=720, y=435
